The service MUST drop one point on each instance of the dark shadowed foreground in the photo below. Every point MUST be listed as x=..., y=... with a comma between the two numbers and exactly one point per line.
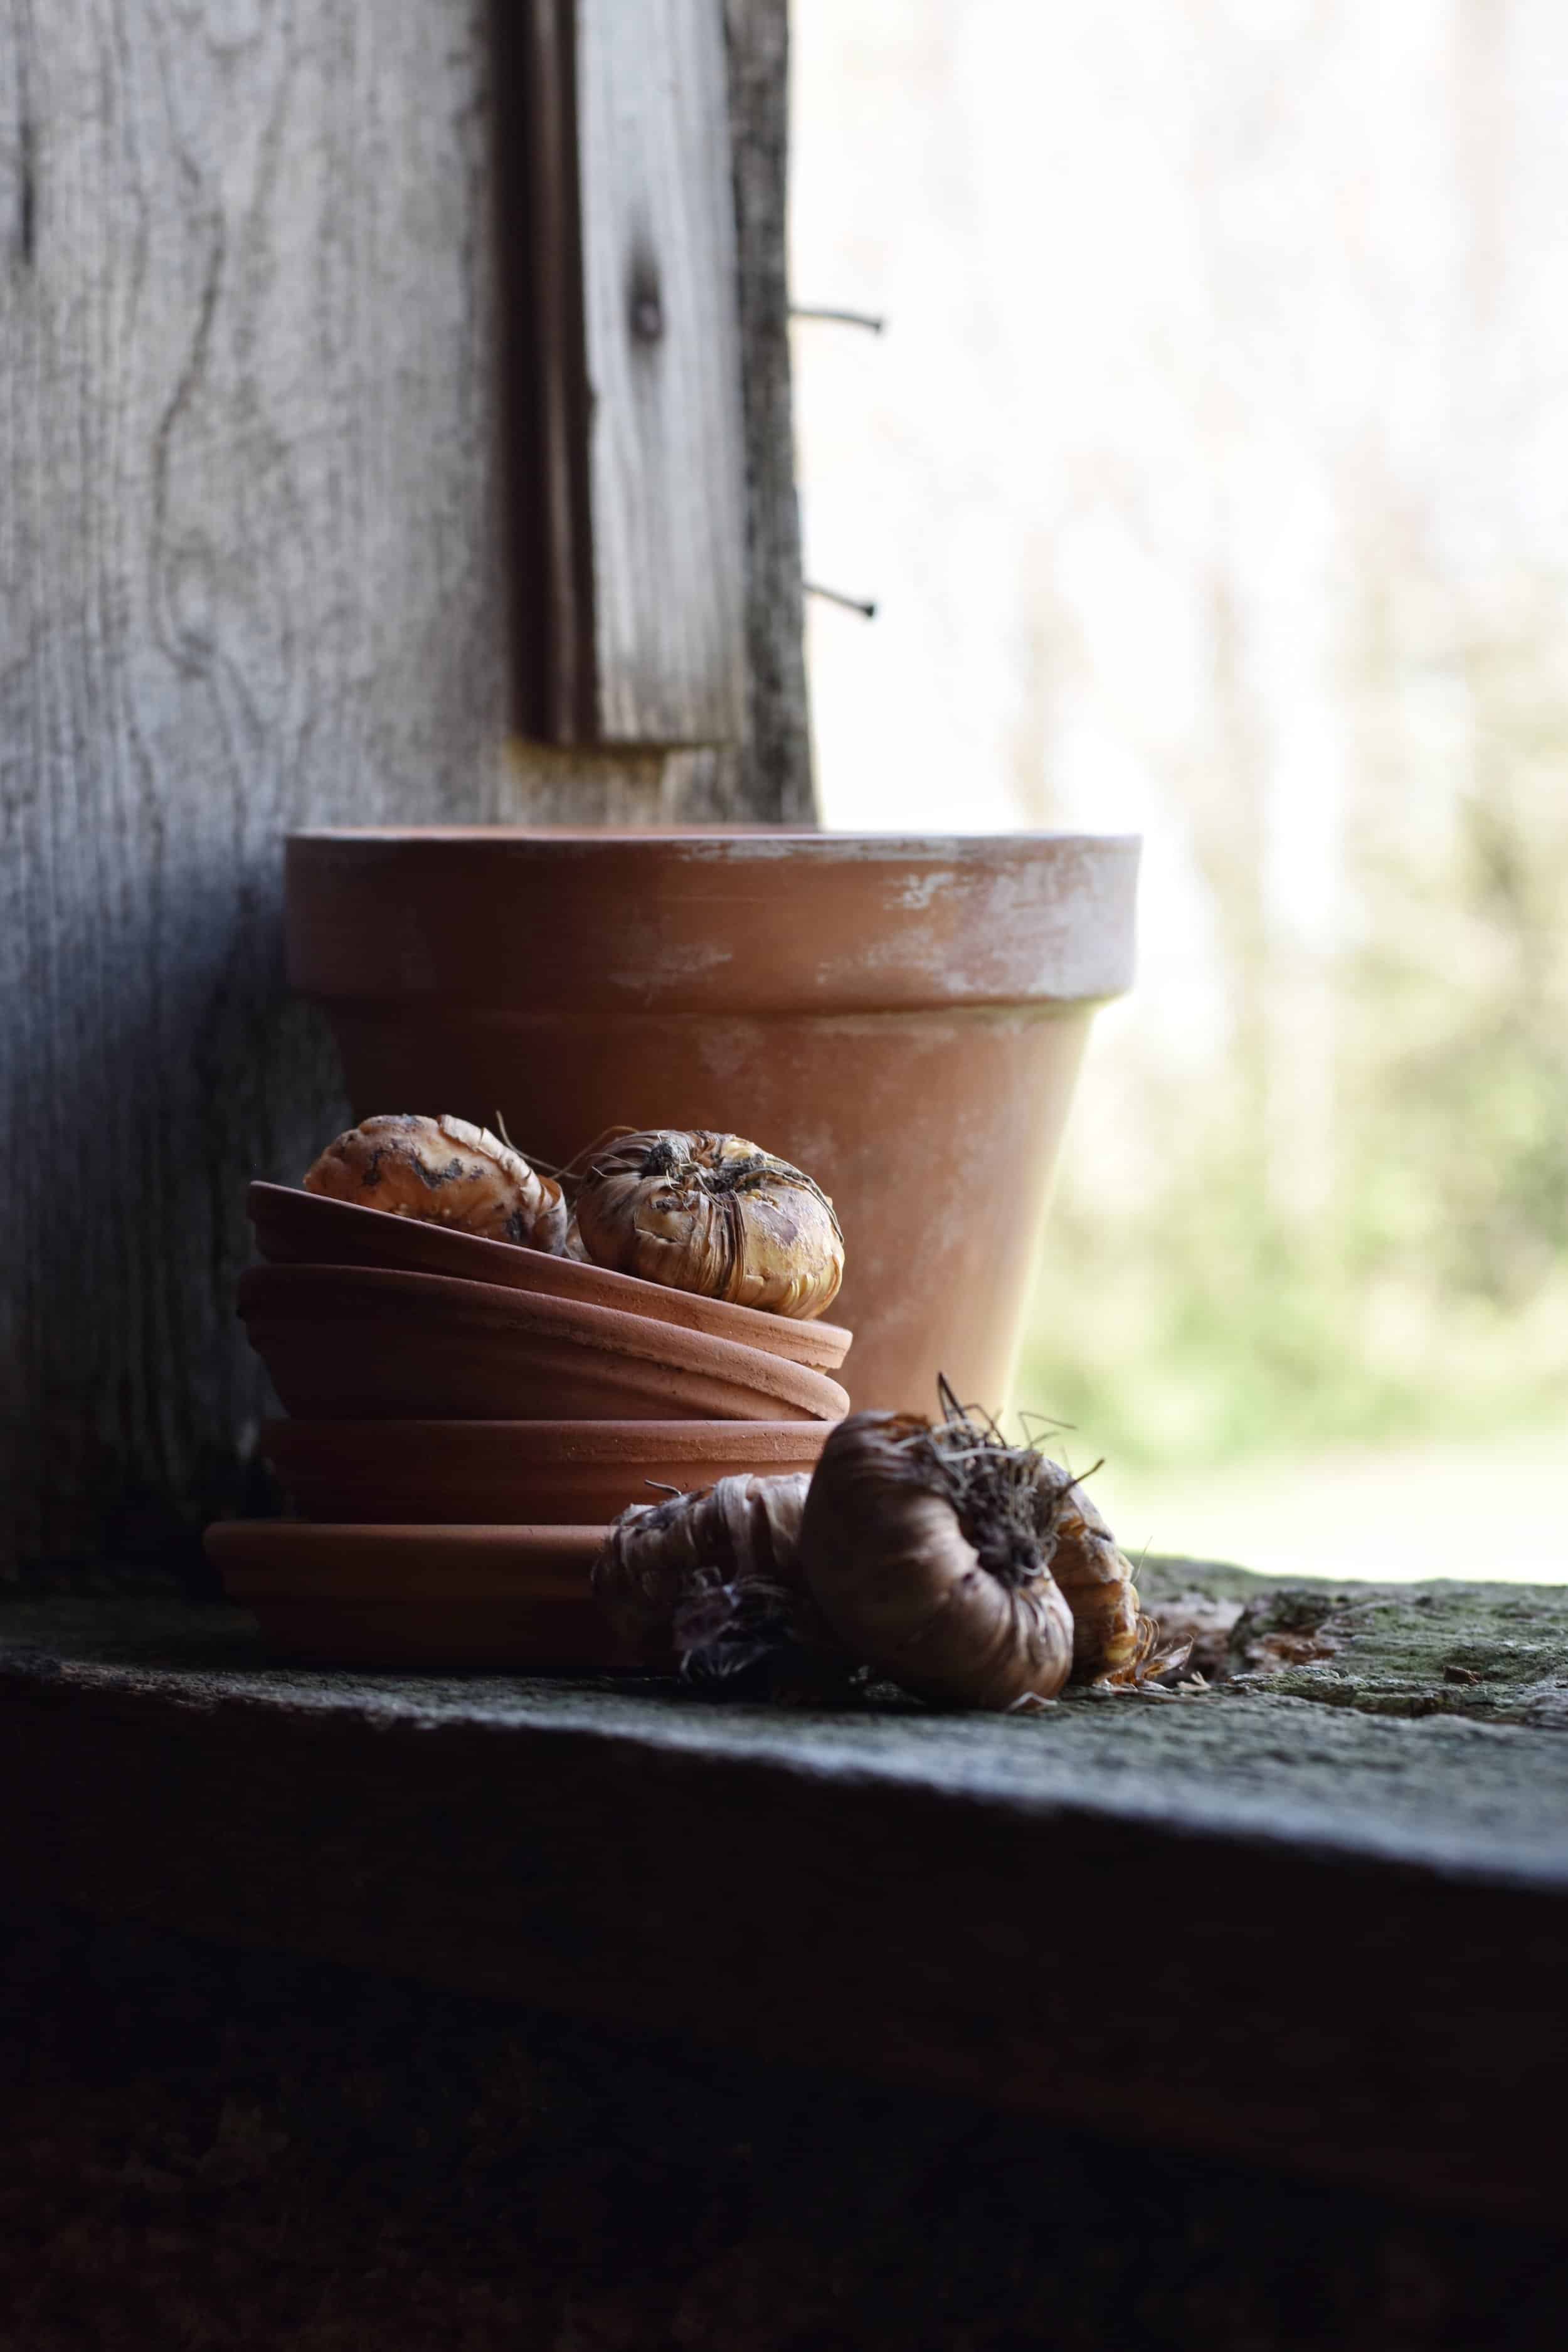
x=1312, y=1918
x=222, y=2150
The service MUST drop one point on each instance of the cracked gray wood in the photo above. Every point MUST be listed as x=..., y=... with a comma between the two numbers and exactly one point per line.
x=664, y=503
x=255, y=571
x=251, y=577
x=666, y=458
x=778, y=748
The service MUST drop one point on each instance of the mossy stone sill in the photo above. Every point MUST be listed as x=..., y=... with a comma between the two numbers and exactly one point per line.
x=1319, y=1918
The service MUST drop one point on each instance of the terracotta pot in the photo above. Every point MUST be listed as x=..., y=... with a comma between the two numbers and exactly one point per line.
x=903, y=1018
x=297, y=1228
x=369, y=1343
x=498, y=1600
x=524, y=1472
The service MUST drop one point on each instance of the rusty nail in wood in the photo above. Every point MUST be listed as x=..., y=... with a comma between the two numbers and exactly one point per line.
x=864, y=606
x=867, y=319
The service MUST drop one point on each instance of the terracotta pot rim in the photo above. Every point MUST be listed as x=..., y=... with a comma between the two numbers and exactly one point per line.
x=278, y=1298
x=273, y=1550
x=540, y=1473
x=615, y=1439
x=760, y=840
x=725, y=922
x=557, y=1277
x=251, y=1538
x=525, y=1586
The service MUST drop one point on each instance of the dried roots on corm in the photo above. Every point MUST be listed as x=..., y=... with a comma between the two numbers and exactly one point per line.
x=710, y=1579
x=1115, y=1643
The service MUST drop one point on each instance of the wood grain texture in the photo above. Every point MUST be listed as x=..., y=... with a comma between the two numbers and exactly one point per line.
x=665, y=452
x=579, y=784
x=260, y=568
x=656, y=503
x=776, y=778
x=251, y=577
x=548, y=395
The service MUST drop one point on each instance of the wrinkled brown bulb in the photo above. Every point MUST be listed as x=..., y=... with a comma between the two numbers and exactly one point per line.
x=921, y=1548
x=712, y=1576
x=711, y=1214
x=1115, y=1643
x=443, y=1172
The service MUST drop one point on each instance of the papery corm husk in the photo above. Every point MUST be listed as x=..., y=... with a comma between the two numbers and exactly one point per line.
x=710, y=1578
x=711, y=1214
x=1116, y=1643
x=921, y=1546
x=1096, y=1578
x=442, y=1171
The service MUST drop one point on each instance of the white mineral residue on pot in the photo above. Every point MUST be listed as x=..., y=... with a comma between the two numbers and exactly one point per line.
x=665, y=960
x=744, y=850
x=973, y=849
x=930, y=952
x=921, y=892
x=728, y=1049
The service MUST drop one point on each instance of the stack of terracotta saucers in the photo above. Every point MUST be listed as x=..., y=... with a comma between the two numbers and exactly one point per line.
x=467, y=1418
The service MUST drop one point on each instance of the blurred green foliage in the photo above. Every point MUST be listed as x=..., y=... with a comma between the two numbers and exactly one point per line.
x=1209, y=1311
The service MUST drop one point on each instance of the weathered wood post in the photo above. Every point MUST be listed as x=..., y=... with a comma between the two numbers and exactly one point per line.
x=283, y=541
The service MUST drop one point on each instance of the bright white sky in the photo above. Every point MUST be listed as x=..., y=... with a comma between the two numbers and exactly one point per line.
x=1185, y=298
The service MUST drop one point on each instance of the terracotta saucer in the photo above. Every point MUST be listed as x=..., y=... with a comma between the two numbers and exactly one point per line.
x=295, y=1228
x=369, y=1343
x=498, y=1600
x=541, y=1473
